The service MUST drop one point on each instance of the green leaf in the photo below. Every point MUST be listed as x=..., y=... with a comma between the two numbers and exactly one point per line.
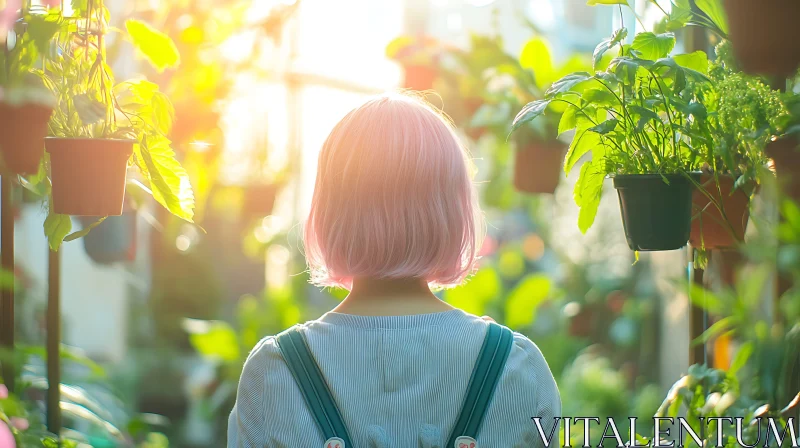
x=168, y=179
x=536, y=56
x=606, y=2
x=566, y=83
x=568, y=120
x=583, y=142
x=605, y=127
x=213, y=339
x=56, y=227
x=715, y=11
x=41, y=29
x=742, y=355
x=587, y=194
x=599, y=96
x=529, y=112
x=157, y=47
x=484, y=287
x=618, y=36
x=697, y=61
x=523, y=300
x=653, y=46
x=85, y=231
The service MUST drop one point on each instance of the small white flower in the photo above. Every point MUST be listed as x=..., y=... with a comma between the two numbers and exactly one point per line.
x=711, y=402
x=725, y=402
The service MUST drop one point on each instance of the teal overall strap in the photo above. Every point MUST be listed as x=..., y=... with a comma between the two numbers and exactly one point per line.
x=485, y=376
x=306, y=373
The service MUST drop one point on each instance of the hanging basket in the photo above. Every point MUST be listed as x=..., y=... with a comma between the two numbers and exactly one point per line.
x=22, y=133
x=709, y=229
x=765, y=35
x=113, y=240
x=419, y=77
x=785, y=155
x=537, y=167
x=656, y=215
x=88, y=175
x=259, y=200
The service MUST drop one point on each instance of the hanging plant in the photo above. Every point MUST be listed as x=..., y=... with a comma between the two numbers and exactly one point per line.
x=639, y=120
x=25, y=104
x=99, y=129
x=744, y=115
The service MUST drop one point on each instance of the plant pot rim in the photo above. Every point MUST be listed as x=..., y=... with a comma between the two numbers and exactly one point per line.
x=119, y=140
x=653, y=176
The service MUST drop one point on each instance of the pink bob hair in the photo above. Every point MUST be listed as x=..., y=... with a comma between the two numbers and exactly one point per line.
x=393, y=198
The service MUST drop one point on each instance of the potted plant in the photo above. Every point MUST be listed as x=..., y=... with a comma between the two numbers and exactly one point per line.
x=25, y=104
x=765, y=35
x=98, y=128
x=419, y=57
x=744, y=114
x=538, y=153
x=639, y=120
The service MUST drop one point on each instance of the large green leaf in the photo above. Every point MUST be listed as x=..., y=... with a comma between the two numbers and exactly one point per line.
x=715, y=11
x=168, y=179
x=653, y=46
x=41, y=28
x=157, y=47
x=568, y=120
x=605, y=127
x=697, y=61
x=583, y=142
x=606, y=2
x=56, y=227
x=213, y=339
x=618, y=36
x=588, y=192
x=568, y=82
x=484, y=287
x=525, y=298
x=536, y=56
x=529, y=112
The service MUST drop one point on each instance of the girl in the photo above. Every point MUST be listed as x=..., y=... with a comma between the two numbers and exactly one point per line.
x=394, y=213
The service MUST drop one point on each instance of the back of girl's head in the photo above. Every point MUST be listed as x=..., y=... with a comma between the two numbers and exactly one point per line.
x=393, y=198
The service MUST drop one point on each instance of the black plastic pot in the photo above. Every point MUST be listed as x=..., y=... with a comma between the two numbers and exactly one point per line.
x=656, y=215
x=113, y=240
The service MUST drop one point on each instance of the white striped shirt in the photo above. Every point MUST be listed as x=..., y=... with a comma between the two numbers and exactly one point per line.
x=398, y=381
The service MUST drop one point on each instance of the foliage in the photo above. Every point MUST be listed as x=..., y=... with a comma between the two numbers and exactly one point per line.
x=91, y=106
x=24, y=47
x=705, y=392
x=744, y=115
x=641, y=115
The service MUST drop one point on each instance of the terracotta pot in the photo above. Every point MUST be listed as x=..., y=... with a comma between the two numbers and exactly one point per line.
x=471, y=105
x=419, y=77
x=88, y=175
x=709, y=229
x=22, y=133
x=537, y=167
x=259, y=200
x=765, y=35
x=785, y=156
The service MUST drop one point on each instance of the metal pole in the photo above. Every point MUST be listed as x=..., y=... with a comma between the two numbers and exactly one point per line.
x=697, y=319
x=7, y=295
x=53, y=342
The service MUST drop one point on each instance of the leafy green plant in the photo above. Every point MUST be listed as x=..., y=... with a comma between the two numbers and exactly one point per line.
x=23, y=49
x=514, y=82
x=641, y=115
x=91, y=105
